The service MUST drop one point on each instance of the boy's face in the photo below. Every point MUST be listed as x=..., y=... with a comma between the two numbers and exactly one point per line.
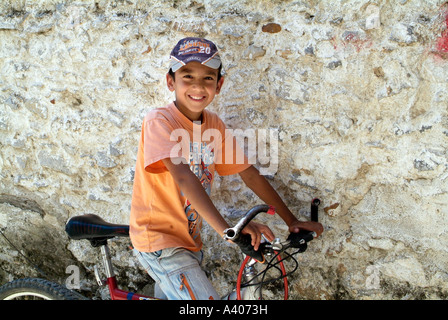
x=195, y=86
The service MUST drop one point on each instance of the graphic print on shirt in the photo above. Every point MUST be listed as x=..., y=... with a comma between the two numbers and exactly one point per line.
x=201, y=157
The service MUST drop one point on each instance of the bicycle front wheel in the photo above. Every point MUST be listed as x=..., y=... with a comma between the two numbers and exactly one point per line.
x=37, y=289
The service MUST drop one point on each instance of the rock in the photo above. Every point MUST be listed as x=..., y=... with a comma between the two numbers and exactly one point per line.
x=403, y=34
x=104, y=161
x=271, y=28
x=54, y=162
x=253, y=52
x=405, y=270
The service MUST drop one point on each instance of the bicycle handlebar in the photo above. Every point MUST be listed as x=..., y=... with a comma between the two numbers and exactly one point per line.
x=299, y=240
x=314, y=206
x=294, y=240
x=233, y=233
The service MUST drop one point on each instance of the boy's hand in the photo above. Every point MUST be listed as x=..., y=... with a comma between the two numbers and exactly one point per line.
x=244, y=242
x=255, y=230
x=250, y=238
x=307, y=225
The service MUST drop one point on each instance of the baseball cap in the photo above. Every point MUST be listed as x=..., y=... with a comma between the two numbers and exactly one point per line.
x=195, y=49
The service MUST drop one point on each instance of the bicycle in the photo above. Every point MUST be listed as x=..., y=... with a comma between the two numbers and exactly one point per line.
x=93, y=228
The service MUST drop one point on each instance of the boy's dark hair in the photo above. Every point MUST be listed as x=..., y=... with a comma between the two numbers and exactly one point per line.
x=171, y=73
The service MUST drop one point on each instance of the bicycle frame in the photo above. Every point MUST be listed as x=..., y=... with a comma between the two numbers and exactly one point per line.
x=118, y=294
x=245, y=272
x=115, y=292
x=98, y=231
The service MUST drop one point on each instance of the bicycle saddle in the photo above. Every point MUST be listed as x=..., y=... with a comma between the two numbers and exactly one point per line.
x=93, y=227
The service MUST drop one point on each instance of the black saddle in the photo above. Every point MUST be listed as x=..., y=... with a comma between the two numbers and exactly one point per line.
x=95, y=229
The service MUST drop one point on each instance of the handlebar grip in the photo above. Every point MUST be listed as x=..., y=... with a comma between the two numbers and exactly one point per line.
x=244, y=242
x=300, y=239
x=314, y=209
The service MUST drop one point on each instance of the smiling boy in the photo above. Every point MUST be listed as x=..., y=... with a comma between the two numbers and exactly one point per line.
x=171, y=192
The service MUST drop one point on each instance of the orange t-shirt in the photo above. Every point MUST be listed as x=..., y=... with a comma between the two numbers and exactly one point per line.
x=161, y=216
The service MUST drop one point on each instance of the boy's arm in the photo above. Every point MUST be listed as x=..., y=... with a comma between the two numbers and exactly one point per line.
x=262, y=188
x=196, y=194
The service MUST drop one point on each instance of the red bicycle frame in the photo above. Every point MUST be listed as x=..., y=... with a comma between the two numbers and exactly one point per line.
x=240, y=276
x=117, y=294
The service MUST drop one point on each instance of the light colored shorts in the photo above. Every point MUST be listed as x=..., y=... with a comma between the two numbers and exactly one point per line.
x=178, y=274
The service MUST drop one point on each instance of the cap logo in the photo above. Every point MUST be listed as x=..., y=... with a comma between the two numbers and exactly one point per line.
x=191, y=47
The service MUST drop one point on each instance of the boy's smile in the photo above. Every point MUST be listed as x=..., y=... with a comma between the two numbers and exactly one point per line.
x=195, y=86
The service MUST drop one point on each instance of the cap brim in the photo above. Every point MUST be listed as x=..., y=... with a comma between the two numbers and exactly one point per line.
x=214, y=63
x=176, y=64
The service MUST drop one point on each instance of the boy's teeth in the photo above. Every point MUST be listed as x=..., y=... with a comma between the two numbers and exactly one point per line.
x=196, y=98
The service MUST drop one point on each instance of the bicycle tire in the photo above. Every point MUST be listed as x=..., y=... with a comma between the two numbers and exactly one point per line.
x=37, y=289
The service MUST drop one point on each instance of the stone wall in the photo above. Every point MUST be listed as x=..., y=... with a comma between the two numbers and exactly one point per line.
x=356, y=90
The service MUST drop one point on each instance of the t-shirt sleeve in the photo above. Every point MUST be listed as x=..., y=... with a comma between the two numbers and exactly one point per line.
x=161, y=141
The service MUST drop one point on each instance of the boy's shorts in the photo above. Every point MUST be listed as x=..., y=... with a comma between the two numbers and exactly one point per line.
x=178, y=274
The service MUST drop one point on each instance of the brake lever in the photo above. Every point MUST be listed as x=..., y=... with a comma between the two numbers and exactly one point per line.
x=276, y=245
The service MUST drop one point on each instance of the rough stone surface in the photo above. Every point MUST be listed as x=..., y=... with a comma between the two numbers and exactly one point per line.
x=357, y=91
